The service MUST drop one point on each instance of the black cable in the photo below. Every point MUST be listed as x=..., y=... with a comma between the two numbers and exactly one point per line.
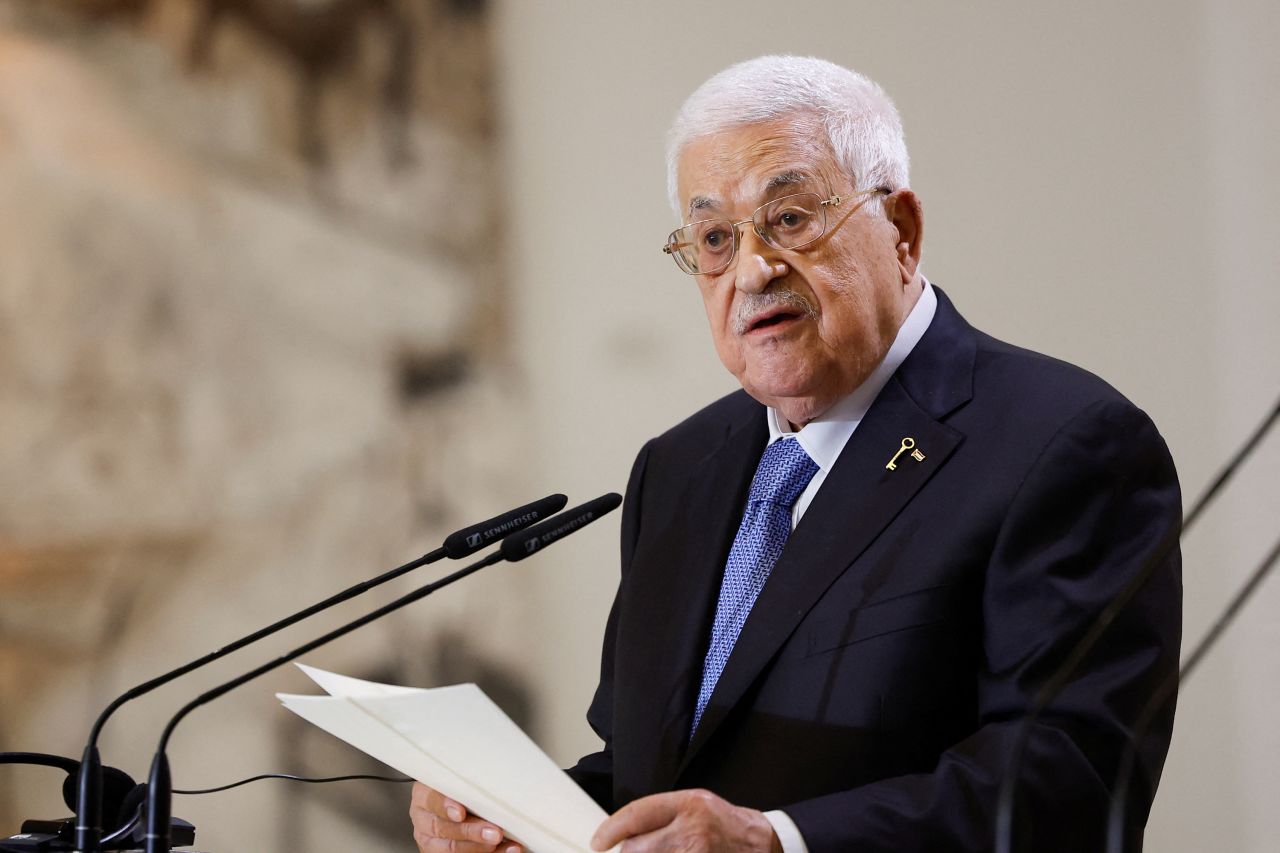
x=126, y=829
x=292, y=778
x=132, y=823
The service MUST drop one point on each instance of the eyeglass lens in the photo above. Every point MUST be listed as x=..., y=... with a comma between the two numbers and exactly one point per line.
x=784, y=223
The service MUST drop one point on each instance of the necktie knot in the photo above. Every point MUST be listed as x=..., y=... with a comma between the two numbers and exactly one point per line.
x=783, y=473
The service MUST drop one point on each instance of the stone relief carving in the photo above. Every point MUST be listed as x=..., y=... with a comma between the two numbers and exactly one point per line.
x=246, y=357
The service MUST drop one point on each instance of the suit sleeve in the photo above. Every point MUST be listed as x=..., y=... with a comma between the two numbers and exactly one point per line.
x=1090, y=512
x=594, y=772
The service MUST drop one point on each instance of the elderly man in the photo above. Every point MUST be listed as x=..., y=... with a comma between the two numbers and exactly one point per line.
x=843, y=585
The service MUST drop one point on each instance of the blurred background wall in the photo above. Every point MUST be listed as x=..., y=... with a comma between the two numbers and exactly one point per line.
x=291, y=288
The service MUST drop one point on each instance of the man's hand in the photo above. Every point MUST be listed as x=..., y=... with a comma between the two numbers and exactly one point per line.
x=441, y=825
x=689, y=821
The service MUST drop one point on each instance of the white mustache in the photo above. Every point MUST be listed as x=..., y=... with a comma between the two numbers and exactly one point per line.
x=753, y=303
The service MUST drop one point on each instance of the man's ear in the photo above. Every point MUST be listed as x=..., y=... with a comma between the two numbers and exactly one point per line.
x=904, y=212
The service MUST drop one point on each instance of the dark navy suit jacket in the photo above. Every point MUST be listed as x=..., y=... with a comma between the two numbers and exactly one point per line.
x=877, y=684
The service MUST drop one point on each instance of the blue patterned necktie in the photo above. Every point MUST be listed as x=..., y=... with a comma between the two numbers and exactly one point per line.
x=784, y=471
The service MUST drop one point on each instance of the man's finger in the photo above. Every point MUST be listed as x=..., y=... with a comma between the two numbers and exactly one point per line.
x=470, y=836
x=442, y=824
x=438, y=803
x=418, y=797
x=472, y=829
x=429, y=844
x=638, y=817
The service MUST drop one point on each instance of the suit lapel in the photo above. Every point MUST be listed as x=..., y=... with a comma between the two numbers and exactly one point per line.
x=859, y=498
x=679, y=589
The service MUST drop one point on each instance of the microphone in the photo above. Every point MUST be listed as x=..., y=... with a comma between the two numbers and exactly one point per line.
x=468, y=540
x=520, y=545
x=461, y=543
x=1059, y=679
x=1166, y=691
x=159, y=786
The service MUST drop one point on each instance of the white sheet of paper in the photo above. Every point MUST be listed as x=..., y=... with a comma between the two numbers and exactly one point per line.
x=456, y=740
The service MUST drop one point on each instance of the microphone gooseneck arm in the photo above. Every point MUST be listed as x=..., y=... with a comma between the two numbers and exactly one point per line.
x=1229, y=470
x=158, y=785
x=89, y=798
x=459, y=544
x=159, y=788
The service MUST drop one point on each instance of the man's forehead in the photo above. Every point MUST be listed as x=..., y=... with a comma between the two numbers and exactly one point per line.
x=754, y=162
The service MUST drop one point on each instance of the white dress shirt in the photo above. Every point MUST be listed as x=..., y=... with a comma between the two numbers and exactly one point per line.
x=823, y=438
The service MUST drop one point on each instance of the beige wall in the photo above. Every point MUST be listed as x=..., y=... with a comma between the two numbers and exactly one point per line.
x=1098, y=181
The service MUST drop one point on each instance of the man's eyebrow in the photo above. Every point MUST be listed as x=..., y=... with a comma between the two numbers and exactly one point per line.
x=783, y=180
x=787, y=179
x=701, y=202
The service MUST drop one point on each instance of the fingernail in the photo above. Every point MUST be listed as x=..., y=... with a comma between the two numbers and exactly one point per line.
x=454, y=813
x=491, y=835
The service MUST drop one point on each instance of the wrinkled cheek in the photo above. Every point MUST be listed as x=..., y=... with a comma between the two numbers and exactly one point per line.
x=719, y=316
x=731, y=356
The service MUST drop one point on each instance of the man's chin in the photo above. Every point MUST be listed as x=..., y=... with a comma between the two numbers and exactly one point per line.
x=779, y=379
x=797, y=404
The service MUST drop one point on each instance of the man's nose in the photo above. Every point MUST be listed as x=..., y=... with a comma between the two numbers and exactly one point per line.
x=758, y=263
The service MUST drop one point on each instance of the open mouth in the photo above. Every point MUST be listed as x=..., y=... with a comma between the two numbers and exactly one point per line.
x=771, y=311
x=773, y=319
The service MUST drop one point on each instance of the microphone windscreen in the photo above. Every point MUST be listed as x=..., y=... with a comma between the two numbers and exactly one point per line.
x=468, y=540
x=526, y=542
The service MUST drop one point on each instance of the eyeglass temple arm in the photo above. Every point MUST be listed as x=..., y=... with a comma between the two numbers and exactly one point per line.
x=835, y=200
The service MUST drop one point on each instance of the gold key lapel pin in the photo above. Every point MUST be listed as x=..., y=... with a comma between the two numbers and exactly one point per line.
x=908, y=443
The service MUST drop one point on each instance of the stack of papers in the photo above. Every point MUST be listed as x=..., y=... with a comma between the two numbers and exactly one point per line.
x=456, y=740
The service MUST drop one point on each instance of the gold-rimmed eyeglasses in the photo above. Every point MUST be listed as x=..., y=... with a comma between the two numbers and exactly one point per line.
x=708, y=246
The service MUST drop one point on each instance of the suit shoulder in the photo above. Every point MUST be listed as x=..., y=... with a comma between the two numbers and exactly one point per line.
x=963, y=371
x=1039, y=385
x=665, y=463
x=686, y=445
x=713, y=420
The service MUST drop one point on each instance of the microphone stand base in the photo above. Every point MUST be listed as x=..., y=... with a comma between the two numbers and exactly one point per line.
x=48, y=836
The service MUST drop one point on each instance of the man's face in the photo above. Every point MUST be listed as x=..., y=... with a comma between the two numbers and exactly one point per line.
x=799, y=328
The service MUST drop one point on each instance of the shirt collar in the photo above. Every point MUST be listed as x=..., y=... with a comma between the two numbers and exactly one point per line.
x=824, y=437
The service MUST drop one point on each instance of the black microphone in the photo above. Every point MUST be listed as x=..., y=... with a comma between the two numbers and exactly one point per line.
x=1059, y=679
x=523, y=544
x=159, y=786
x=459, y=544
x=1166, y=691
x=468, y=540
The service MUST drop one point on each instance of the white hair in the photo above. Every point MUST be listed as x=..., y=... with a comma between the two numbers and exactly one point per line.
x=861, y=121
